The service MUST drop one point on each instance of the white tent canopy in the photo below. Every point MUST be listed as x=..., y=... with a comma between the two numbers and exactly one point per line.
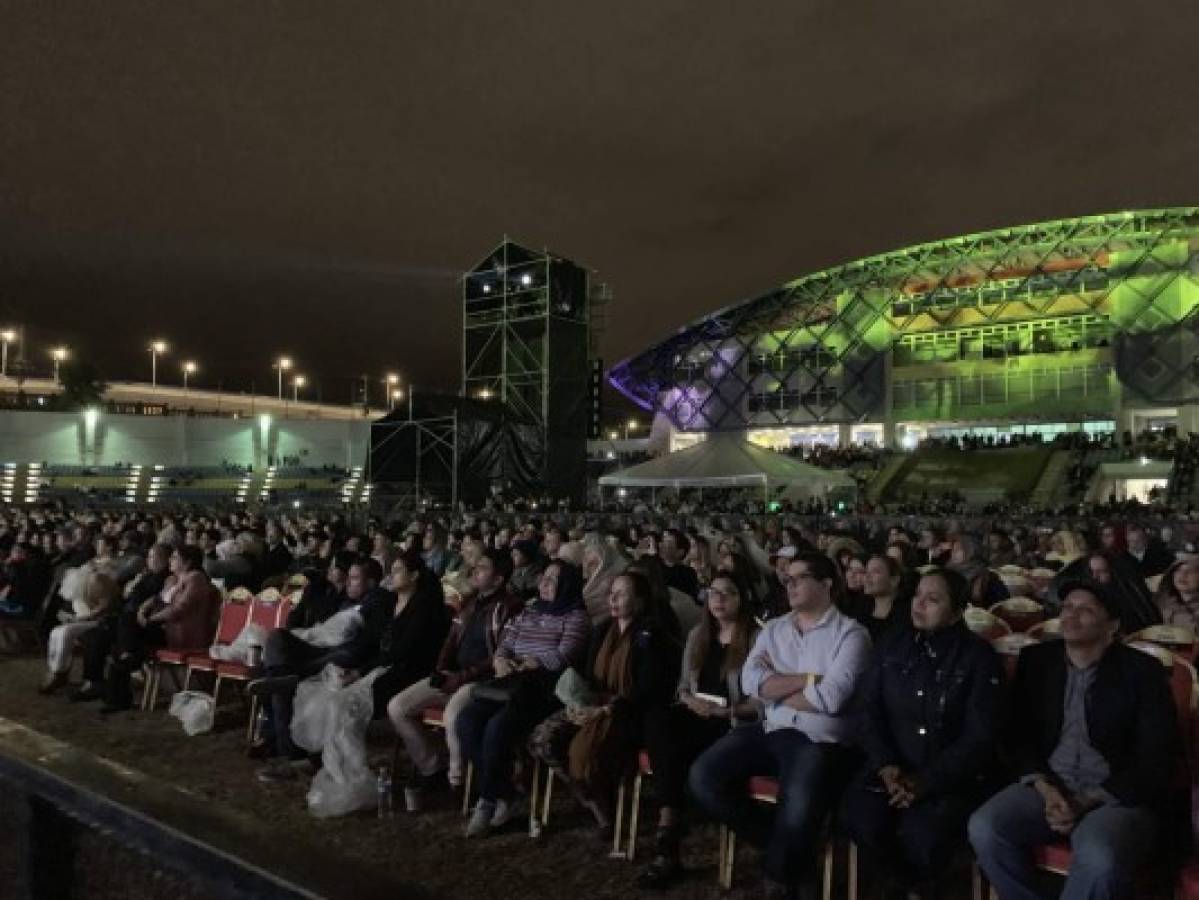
x=727, y=461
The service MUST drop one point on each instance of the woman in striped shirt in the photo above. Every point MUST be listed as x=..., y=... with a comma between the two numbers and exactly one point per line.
x=537, y=646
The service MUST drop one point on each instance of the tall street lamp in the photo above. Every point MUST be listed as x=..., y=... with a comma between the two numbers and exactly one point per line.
x=389, y=384
x=189, y=369
x=156, y=347
x=283, y=363
x=58, y=354
x=6, y=337
x=296, y=383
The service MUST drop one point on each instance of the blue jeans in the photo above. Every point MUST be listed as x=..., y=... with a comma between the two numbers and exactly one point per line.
x=1109, y=845
x=811, y=777
x=491, y=732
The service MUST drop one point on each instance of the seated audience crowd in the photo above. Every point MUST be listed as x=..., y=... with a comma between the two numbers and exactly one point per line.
x=859, y=662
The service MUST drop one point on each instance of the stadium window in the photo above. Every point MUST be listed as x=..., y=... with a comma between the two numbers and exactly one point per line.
x=969, y=390
x=1019, y=387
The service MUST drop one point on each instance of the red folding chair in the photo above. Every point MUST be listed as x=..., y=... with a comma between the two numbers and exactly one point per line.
x=171, y=659
x=265, y=611
x=1008, y=647
x=1047, y=630
x=985, y=624
x=1175, y=638
x=1020, y=613
x=234, y=613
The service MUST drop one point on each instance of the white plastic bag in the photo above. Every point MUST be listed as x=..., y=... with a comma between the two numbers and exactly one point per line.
x=331, y=718
x=195, y=710
x=239, y=650
x=334, y=631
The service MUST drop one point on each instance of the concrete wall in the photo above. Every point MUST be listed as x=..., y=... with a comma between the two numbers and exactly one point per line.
x=101, y=439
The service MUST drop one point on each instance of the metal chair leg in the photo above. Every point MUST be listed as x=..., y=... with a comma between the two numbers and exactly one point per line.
x=827, y=887
x=216, y=692
x=187, y=679
x=549, y=792
x=470, y=775
x=616, y=829
x=853, y=871
x=147, y=681
x=728, y=853
x=534, y=789
x=634, y=815
x=980, y=889
x=252, y=728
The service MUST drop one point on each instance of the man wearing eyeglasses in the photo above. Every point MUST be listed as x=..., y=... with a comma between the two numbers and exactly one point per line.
x=805, y=666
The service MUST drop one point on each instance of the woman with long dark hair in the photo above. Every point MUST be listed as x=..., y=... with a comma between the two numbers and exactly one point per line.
x=709, y=702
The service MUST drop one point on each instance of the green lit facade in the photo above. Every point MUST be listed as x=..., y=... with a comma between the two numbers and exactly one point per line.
x=1072, y=321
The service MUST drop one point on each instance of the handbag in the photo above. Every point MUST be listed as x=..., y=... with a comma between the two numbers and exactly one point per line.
x=502, y=690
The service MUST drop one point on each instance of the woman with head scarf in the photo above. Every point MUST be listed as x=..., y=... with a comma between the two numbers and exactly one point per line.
x=1178, y=594
x=602, y=562
x=543, y=641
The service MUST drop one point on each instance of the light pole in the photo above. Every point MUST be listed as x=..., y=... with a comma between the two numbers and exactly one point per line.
x=58, y=354
x=630, y=425
x=156, y=347
x=296, y=383
x=189, y=368
x=282, y=364
x=389, y=384
x=6, y=337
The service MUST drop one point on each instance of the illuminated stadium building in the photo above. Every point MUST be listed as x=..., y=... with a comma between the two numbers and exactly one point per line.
x=1079, y=323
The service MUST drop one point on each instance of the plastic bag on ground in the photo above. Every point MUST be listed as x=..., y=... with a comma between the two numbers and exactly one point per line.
x=195, y=710
x=331, y=718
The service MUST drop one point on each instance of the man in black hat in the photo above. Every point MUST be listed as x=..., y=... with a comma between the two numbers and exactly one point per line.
x=1093, y=730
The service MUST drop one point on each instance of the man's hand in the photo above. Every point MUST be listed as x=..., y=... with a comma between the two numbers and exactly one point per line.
x=1060, y=813
x=503, y=666
x=528, y=664
x=450, y=682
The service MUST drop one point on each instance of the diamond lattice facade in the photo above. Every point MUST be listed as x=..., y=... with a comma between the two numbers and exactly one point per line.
x=1067, y=321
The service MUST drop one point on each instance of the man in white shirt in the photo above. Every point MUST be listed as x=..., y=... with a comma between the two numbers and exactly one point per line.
x=806, y=667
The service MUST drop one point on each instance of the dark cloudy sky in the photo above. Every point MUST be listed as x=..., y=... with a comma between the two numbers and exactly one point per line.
x=244, y=177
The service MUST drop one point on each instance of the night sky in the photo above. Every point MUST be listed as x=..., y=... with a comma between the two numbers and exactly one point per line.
x=245, y=178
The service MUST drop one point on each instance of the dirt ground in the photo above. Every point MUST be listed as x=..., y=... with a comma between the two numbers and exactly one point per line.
x=426, y=849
